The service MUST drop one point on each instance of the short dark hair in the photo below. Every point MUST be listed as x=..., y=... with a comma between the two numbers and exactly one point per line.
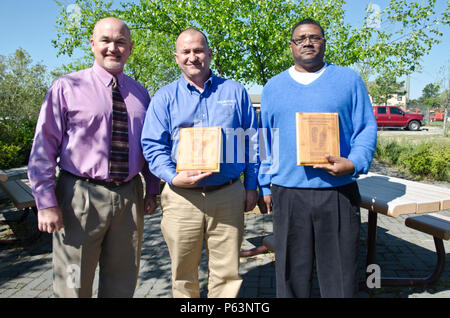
x=307, y=21
x=194, y=30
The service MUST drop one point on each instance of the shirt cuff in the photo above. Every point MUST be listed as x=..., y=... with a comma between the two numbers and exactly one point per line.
x=265, y=190
x=45, y=200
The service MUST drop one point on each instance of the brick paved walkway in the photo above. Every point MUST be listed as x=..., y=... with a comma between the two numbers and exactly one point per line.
x=26, y=271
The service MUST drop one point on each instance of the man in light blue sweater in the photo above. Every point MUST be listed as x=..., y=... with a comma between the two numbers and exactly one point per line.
x=316, y=208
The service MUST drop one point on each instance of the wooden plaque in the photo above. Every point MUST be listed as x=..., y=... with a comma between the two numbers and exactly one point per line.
x=199, y=149
x=317, y=135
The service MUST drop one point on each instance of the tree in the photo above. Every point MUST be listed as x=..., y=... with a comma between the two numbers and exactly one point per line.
x=249, y=38
x=22, y=89
x=430, y=96
x=417, y=104
x=445, y=95
x=384, y=88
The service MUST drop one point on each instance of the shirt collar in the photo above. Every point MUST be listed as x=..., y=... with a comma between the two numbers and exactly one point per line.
x=105, y=76
x=190, y=87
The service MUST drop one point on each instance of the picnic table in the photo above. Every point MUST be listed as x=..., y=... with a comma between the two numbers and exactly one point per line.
x=392, y=197
x=19, y=192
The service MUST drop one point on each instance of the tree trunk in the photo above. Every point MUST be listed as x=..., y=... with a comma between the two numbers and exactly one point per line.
x=444, y=127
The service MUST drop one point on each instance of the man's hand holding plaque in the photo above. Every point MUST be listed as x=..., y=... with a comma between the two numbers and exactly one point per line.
x=337, y=166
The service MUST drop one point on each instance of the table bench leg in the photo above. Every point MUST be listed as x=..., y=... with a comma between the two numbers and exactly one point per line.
x=371, y=238
x=431, y=279
x=399, y=281
x=371, y=245
x=20, y=220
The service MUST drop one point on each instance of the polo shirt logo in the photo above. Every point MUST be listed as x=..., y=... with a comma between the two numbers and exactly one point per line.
x=227, y=102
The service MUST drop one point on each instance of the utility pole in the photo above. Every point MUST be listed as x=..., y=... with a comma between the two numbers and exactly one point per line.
x=444, y=128
x=407, y=89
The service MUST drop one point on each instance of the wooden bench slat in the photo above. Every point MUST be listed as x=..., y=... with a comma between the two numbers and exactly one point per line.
x=3, y=176
x=19, y=193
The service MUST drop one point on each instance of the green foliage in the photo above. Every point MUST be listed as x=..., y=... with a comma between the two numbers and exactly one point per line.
x=15, y=143
x=389, y=151
x=384, y=88
x=8, y=155
x=249, y=38
x=430, y=95
x=425, y=160
x=22, y=89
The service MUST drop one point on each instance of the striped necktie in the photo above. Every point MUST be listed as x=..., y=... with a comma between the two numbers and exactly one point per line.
x=118, y=161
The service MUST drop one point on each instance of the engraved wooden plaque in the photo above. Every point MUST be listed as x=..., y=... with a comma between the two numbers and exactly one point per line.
x=317, y=135
x=199, y=149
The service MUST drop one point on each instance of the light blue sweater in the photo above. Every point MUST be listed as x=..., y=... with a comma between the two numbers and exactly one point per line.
x=338, y=90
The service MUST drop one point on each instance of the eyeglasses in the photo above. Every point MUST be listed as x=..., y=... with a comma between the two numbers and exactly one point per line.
x=313, y=38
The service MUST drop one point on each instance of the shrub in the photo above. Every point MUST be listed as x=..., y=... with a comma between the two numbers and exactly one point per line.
x=9, y=155
x=16, y=140
x=427, y=160
x=389, y=151
x=430, y=160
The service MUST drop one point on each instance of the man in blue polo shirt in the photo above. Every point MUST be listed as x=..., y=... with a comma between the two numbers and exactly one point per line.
x=202, y=207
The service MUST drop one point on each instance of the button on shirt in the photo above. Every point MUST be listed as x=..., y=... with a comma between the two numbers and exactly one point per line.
x=223, y=103
x=75, y=125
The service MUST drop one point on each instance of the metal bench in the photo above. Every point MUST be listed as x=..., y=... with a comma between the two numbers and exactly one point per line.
x=438, y=226
x=268, y=242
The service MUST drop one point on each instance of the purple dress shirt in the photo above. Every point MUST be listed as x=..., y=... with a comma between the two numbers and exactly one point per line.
x=74, y=124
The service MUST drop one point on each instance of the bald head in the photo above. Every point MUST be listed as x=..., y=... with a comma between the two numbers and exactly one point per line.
x=111, y=44
x=109, y=22
x=191, y=32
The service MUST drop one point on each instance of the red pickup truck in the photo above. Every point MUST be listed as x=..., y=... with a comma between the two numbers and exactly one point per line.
x=392, y=116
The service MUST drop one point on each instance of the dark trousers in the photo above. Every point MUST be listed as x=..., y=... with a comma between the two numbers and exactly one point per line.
x=321, y=225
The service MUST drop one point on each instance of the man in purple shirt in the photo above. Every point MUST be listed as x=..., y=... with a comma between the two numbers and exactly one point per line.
x=94, y=218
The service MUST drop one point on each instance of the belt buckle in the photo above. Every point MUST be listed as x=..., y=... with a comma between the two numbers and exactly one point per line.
x=117, y=183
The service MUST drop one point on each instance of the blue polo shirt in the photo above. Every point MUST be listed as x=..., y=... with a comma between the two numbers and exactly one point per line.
x=223, y=103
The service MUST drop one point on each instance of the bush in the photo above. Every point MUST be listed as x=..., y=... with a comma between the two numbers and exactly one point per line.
x=9, y=155
x=425, y=160
x=16, y=140
x=390, y=151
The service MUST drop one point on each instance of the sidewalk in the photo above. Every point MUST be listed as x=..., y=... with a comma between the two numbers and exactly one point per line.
x=26, y=270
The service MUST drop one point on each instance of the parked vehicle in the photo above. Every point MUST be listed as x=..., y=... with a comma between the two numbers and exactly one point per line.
x=437, y=115
x=392, y=116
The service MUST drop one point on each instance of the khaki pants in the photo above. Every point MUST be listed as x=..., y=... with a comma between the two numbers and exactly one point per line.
x=191, y=217
x=101, y=226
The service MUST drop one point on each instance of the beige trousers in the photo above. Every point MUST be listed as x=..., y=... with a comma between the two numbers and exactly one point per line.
x=191, y=217
x=101, y=226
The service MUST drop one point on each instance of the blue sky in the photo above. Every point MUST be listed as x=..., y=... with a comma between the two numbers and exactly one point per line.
x=31, y=24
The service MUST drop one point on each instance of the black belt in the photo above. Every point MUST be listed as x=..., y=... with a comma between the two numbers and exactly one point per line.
x=214, y=187
x=108, y=184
